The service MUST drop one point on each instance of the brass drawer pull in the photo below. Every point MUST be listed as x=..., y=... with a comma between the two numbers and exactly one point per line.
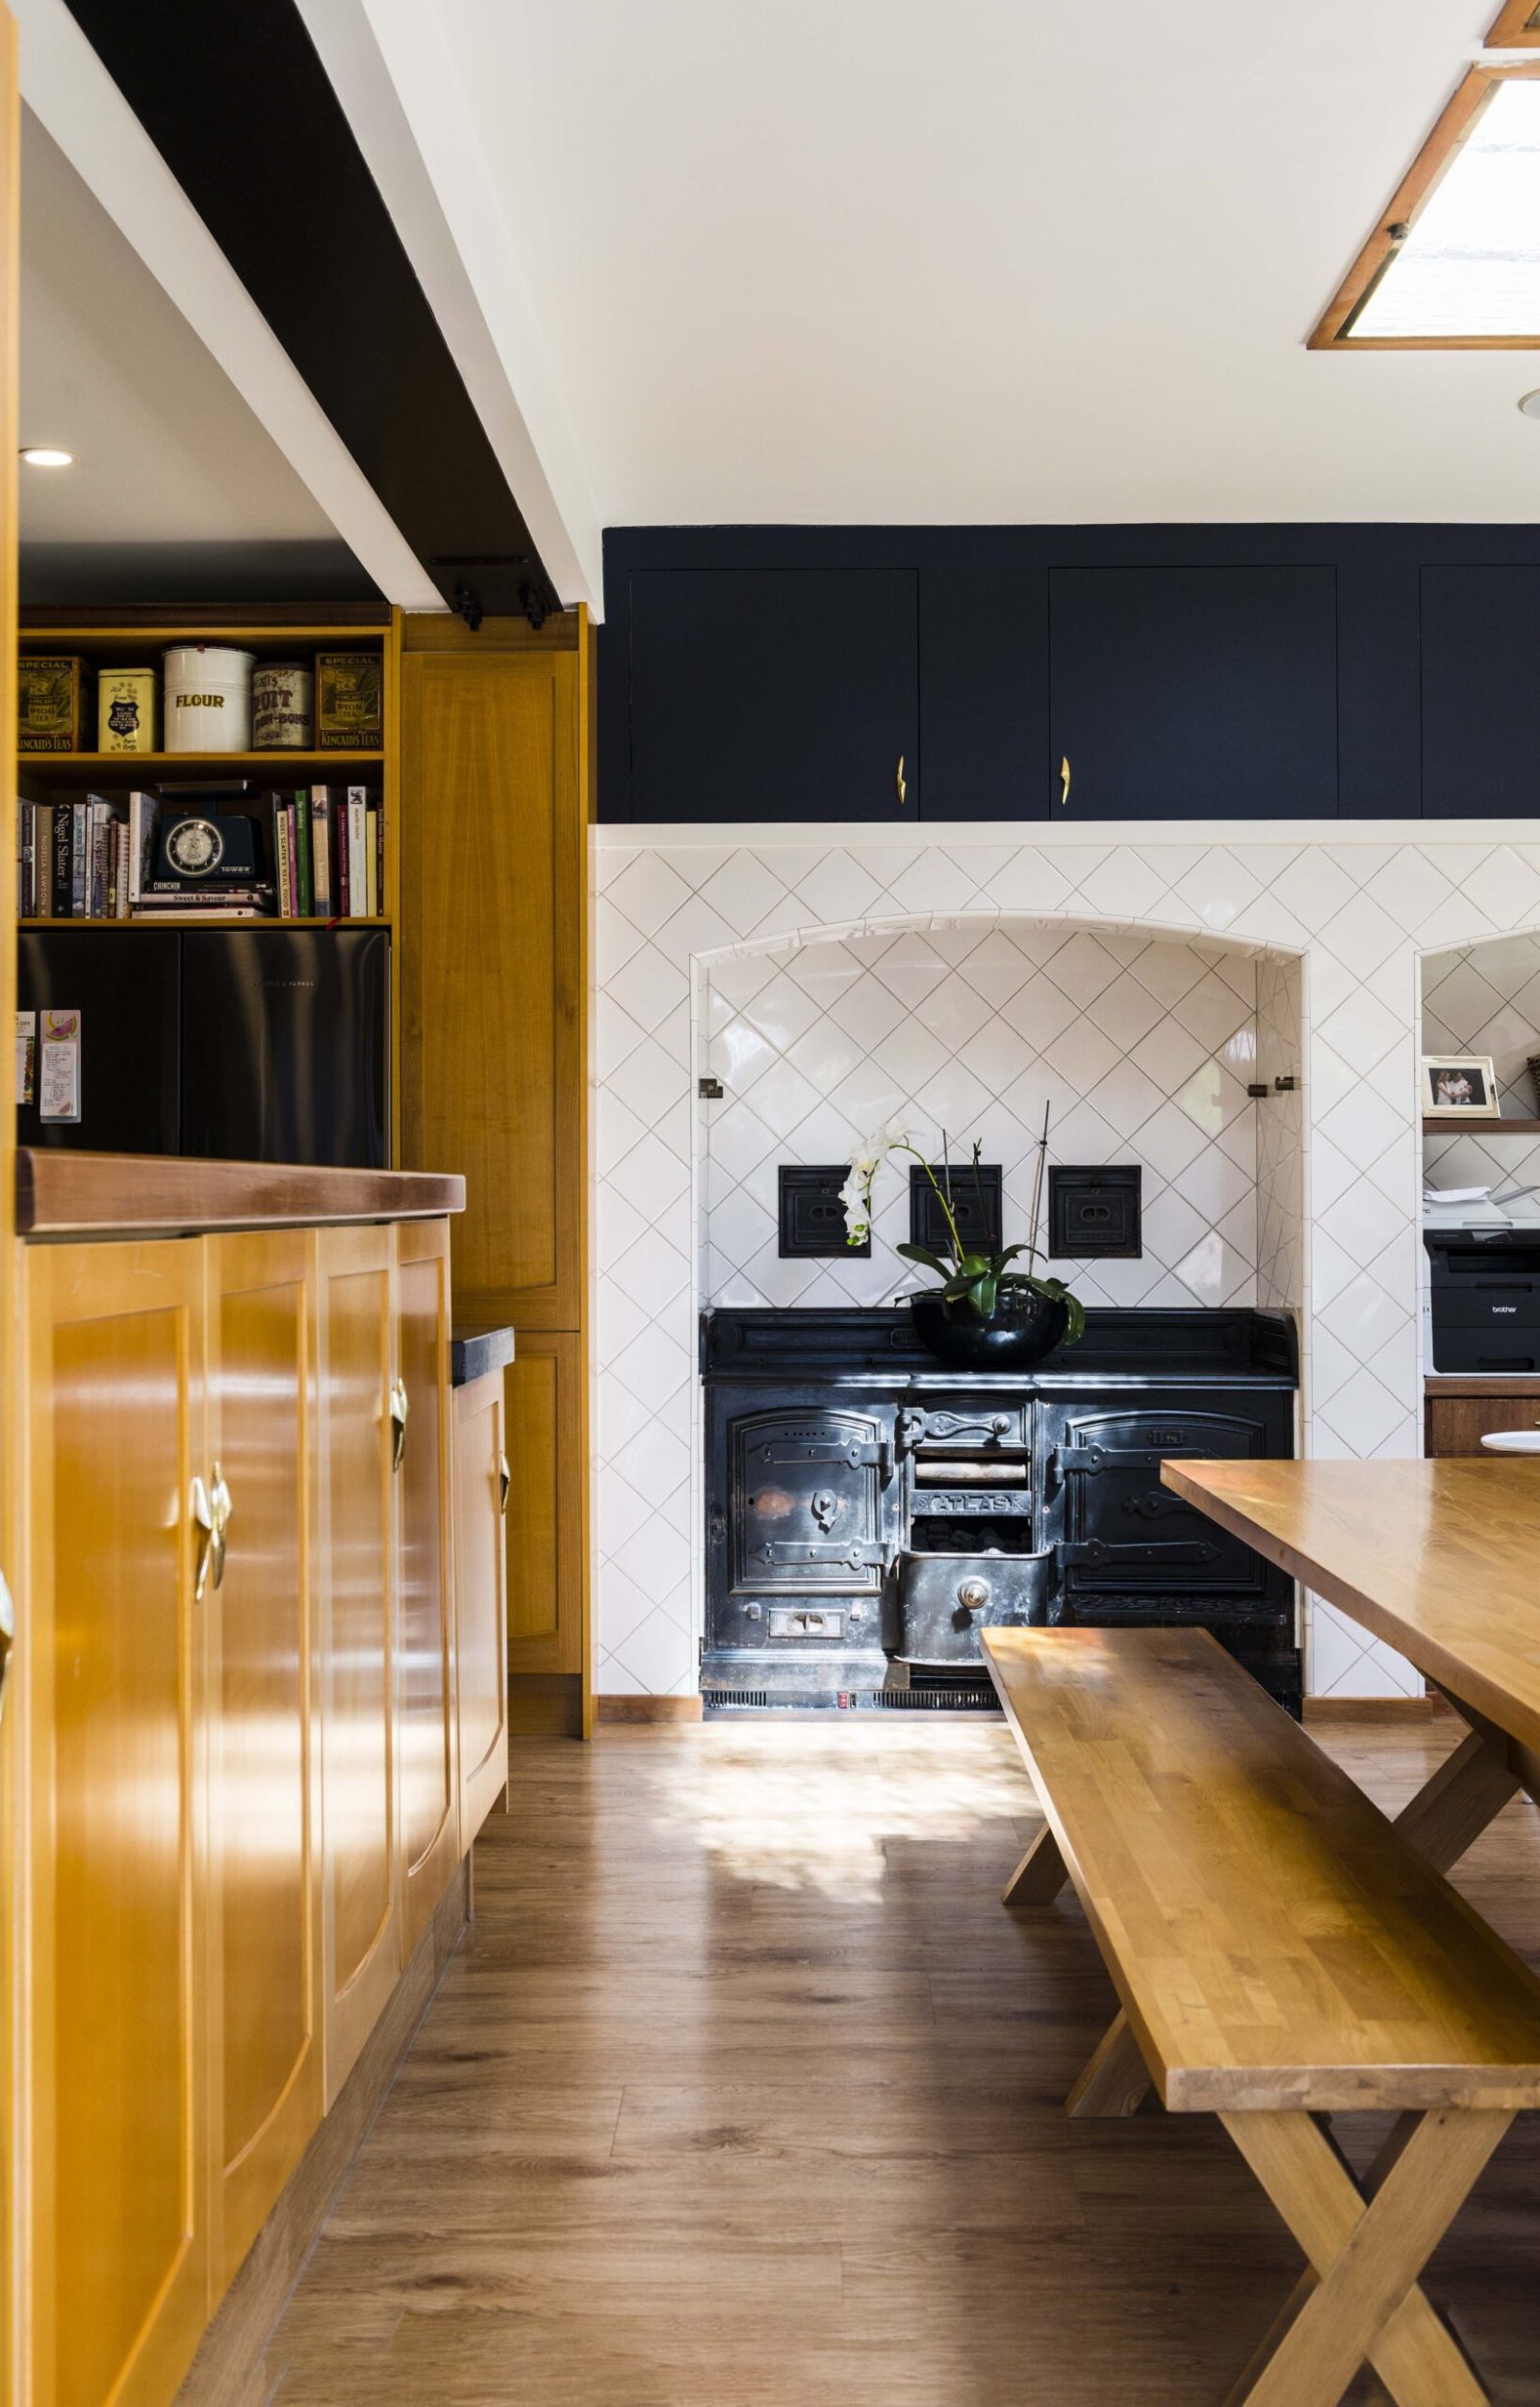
x=505, y=1483
x=399, y=1412
x=203, y=1523
x=899, y=786
x=221, y=1508
x=1064, y=783
x=8, y=1636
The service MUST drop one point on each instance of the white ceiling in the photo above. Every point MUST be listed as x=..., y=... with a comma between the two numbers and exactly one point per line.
x=900, y=260
x=166, y=449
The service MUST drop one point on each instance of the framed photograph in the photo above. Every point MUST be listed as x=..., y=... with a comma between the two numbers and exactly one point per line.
x=1458, y=1086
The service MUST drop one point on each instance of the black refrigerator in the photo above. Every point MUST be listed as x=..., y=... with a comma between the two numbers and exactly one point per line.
x=259, y=1043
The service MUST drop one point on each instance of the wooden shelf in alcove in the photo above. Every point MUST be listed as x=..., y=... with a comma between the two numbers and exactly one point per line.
x=1482, y=1128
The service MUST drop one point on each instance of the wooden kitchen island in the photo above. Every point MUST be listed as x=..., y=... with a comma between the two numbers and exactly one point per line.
x=242, y=1688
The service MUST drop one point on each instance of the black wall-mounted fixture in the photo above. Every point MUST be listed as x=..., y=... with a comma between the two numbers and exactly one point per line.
x=976, y=1207
x=1094, y=1214
x=244, y=116
x=813, y=1217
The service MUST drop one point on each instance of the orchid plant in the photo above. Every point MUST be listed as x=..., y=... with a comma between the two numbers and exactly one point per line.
x=977, y=1283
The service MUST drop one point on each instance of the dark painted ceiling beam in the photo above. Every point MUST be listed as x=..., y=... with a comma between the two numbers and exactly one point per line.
x=244, y=116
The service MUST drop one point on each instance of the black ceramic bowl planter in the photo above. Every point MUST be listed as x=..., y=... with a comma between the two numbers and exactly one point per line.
x=1023, y=1327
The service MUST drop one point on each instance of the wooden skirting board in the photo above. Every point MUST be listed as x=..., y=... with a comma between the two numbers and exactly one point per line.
x=649, y=1708
x=1374, y=1708
x=228, y=2368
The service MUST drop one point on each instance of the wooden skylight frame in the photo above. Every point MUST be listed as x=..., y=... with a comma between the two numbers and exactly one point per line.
x=1517, y=28
x=1438, y=154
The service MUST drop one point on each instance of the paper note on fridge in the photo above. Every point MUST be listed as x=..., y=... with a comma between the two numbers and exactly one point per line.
x=59, y=1065
x=26, y=1057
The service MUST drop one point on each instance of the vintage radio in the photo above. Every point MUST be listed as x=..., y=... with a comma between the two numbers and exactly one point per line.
x=52, y=703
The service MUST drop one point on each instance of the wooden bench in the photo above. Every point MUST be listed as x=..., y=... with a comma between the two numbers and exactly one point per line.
x=1281, y=1953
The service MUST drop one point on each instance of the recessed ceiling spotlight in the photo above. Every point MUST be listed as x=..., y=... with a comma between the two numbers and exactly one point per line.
x=1531, y=403
x=44, y=455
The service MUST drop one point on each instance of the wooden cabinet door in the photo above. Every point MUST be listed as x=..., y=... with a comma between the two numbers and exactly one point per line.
x=494, y=867
x=429, y=1795
x=1480, y=696
x=118, y=2145
x=360, y=1889
x=775, y=693
x=482, y=1483
x=546, y=1527
x=1185, y=693
x=268, y=2079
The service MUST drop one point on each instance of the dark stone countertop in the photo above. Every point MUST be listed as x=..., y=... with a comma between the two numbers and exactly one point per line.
x=474, y=1352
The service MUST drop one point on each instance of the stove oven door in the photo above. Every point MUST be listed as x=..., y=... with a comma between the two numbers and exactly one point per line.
x=1126, y=1544
x=812, y=1501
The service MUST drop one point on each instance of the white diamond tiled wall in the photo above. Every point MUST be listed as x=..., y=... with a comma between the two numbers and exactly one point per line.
x=1141, y=1047
x=1354, y=903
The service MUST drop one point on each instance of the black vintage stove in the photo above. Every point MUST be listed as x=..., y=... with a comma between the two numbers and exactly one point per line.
x=869, y=1511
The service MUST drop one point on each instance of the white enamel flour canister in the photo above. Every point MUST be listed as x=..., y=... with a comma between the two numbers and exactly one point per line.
x=207, y=699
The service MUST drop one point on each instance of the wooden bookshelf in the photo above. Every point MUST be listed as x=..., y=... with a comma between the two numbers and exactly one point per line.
x=202, y=919
x=108, y=638
x=106, y=769
x=1482, y=1128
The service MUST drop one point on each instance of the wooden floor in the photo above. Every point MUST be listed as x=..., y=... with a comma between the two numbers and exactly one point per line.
x=744, y=2092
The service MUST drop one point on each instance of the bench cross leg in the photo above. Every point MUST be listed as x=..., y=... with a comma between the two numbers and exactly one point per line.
x=1468, y=1790
x=1360, y=2299
x=1040, y=1875
x=1117, y=2079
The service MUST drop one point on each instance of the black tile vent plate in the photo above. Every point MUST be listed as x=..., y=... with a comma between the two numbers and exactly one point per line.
x=1094, y=1212
x=813, y=1218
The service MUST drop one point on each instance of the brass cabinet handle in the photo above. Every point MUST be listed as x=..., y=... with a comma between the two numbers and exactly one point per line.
x=8, y=1636
x=900, y=788
x=203, y=1520
x=505, y=1483
x=221, y=1508
x=399, y=1410
x=1064, y=783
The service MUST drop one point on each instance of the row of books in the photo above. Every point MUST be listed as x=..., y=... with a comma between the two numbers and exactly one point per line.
x=74, y=861
x=328, y=853
x=89, y=860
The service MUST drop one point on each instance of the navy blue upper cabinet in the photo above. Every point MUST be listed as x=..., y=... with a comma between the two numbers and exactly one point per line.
x=1481, y=692
x=775, y=695
x=1192, y=693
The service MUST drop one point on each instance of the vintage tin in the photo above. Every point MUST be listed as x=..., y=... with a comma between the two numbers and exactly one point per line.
x=350, y=702
x=126, y=710
x=52, y=702
x=282, y=709
x=208, y=698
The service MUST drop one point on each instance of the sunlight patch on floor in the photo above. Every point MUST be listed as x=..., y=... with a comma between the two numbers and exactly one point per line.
x=801, y=1805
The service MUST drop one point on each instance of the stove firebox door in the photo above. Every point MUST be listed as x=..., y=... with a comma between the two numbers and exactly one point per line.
x=812, y=1501
x=1123, y=1534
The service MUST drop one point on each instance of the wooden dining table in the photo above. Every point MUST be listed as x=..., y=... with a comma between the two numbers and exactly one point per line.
x=1441, y=1560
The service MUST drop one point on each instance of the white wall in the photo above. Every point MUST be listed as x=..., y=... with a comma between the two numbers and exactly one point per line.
x=1359, y=901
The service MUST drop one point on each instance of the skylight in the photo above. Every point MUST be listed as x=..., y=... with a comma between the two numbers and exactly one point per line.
x=1456, y=259
x=1469, y=262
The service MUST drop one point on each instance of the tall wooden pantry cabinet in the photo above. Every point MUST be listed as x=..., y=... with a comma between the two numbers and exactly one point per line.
x=496, y=771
